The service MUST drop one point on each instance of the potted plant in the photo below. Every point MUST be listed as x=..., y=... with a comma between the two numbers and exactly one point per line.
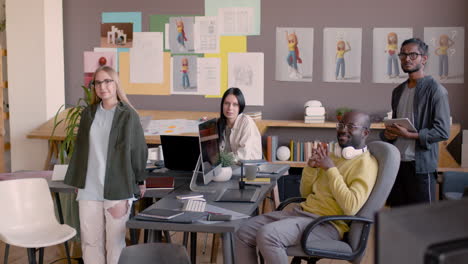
x=70, y=124
x=226, y=159
x=340, y=112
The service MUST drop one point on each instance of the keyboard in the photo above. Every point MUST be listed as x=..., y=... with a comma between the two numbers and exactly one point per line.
x=195, y=205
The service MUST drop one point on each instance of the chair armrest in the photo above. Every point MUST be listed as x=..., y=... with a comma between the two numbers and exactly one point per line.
x=288, y=201
x=329, y=218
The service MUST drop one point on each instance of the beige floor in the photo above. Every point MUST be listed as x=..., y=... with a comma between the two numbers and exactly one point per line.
x=19, y=256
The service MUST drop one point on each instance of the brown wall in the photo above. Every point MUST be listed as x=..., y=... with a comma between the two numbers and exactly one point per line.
x=283, y=100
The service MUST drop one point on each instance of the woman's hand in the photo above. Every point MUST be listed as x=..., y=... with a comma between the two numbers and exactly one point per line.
x=142, y=189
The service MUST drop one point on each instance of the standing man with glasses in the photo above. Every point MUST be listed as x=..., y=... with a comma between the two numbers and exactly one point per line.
x=424, y=102
x=332, y=185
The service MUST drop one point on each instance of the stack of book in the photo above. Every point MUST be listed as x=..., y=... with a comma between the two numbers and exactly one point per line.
x=254, y=115
x=314, y=114
x=272, y=146
x=302, y=151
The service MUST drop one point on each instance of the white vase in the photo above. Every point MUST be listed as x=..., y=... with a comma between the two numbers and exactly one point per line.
x=224, y=174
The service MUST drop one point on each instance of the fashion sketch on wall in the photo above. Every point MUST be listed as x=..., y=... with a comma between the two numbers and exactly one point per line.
x=342, y=54
x=181, y=38
x=294, y=54
x=184, y=79
x=385, y=62
x=446, y=53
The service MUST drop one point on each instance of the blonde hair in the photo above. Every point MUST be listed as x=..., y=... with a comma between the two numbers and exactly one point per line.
x=443, y=37
x=121, y=96
x=392, y=34
x=339, y=43
x=293, y=36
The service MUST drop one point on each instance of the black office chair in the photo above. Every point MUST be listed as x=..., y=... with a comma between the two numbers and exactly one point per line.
x=454, y=185
x=154, y=253
x=353, y=246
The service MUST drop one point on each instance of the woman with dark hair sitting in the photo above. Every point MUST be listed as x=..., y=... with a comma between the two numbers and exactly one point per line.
x=238, y=133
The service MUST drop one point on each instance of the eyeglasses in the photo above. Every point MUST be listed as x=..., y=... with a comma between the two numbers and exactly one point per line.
x=350, y=127
x=105, y=81
x=411, y=55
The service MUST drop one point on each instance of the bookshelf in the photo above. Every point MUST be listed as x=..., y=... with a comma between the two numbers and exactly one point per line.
x=446, y=160
x=263, y=126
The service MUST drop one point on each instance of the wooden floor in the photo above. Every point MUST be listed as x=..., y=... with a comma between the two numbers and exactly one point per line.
x=53, y=254
x=19, y=256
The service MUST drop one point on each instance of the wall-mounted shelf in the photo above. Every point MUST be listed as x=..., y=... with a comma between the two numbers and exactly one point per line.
x=264, y=124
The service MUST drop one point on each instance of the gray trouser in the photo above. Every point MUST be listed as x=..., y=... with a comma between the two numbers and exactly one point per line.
x=273, y=232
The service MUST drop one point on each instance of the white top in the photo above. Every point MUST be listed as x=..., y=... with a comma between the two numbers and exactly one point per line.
x=97, y=158
x=245, y=139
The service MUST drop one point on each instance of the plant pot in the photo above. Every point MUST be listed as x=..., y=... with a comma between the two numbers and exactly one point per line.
x=225, y=174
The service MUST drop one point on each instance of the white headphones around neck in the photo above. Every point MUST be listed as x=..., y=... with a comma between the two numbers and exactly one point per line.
x=347, y=152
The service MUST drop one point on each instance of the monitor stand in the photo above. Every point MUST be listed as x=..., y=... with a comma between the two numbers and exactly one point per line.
x=193, y=183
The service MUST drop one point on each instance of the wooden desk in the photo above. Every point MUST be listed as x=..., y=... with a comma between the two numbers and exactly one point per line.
x=226, y=228
x=45, y=130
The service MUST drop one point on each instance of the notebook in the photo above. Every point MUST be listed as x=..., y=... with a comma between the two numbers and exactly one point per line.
x=160, y=182
x=159, y=213
x=259, y=181
x=185, y=217
x=59, y=172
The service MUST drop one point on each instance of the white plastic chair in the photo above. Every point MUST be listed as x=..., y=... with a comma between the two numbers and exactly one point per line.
x=28, y=218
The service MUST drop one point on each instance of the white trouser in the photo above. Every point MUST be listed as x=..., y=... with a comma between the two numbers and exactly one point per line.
x=102, y=235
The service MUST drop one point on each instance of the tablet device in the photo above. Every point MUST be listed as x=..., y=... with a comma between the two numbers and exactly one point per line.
x=237, y=195
x=404, y=122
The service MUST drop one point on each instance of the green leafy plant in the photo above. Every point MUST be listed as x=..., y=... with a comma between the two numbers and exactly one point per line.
x=70, y=124
x=341, y=111
x=226, y=159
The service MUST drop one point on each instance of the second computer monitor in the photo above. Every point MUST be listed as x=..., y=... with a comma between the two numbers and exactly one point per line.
x=209, y=149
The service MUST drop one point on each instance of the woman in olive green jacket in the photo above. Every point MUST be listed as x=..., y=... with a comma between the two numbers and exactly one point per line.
x=108, y=167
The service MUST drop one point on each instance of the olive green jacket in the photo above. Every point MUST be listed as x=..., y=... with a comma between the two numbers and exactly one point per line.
x=126, y=155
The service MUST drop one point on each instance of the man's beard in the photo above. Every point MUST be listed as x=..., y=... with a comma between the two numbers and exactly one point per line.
x=415, y=69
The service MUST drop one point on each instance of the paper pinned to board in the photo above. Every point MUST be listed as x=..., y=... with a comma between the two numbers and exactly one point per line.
x=209, y=75
x=92, y=60
x=144, y=88
x=239, y=7
x=114, y=51
x=227, y=44
x=246, y=71
x=236, y=20
x=146, y=58
x=206, y=35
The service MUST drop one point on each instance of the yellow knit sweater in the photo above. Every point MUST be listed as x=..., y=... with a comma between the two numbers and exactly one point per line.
x=341, y=190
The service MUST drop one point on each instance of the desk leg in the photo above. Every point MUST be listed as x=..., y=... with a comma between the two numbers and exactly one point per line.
x=228, y=248
x=60, y=213
x=193, y=247
x=51, y=152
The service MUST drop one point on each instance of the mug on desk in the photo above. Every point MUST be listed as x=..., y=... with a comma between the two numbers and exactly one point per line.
x=251, y=171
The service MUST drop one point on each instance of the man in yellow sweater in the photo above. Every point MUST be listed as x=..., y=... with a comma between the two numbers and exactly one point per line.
x=331, y=184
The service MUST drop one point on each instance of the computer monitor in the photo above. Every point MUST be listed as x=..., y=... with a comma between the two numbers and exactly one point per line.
x=180, y=152
x=209, y=153
x=407, y=234
x=209, y=149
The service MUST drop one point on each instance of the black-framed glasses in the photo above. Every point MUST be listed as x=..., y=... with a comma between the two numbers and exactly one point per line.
x=105, y=81
x=350, y=127
x=411, y=55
